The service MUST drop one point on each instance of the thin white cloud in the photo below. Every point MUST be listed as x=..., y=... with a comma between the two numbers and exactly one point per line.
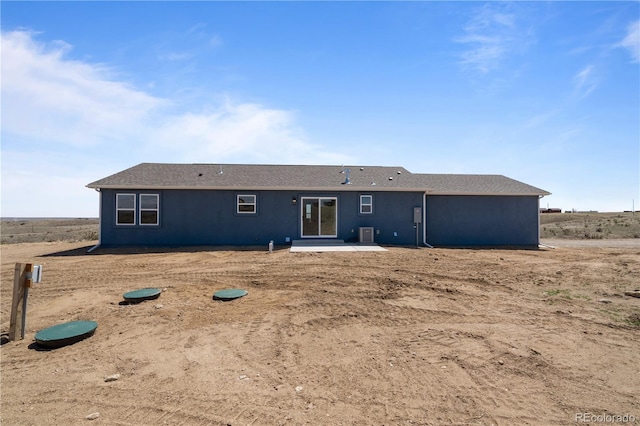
x=72, y=112
x=176, y=56
x=583, y=76
x=540, y=119
x=189, y=44
x=585, y=81
x=507, y=20
x=632, y=41
x=47, y=96
x=491, y=35
x=200, y=30
x=240, y=132
x=215, y=41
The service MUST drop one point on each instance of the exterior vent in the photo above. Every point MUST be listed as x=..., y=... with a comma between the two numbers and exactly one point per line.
x=365, y=234
x=347, y=179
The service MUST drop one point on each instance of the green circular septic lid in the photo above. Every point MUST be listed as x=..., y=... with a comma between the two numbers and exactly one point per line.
x=65, y=334
x=229, y=294
x=137, y=296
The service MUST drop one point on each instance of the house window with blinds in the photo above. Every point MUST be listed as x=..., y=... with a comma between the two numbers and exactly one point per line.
x=246, y=204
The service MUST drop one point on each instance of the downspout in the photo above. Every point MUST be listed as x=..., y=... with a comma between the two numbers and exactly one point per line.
x=424, y=220
x=99, y=223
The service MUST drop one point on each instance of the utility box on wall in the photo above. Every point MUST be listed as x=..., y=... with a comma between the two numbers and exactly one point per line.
x=365, y=235
x=417, y=215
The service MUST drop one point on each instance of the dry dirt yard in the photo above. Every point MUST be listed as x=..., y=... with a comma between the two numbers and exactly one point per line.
x=404, y=337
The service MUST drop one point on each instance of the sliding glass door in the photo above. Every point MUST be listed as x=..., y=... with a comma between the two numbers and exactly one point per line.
x=320, y=217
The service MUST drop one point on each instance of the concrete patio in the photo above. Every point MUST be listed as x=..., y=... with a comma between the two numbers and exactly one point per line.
x=320, y=245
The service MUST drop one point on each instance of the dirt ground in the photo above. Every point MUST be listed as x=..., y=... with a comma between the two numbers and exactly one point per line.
x=403, y=337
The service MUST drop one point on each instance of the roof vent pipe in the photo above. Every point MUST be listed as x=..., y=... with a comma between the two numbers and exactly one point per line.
x=347, y=179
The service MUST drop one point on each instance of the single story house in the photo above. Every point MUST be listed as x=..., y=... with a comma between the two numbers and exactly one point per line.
x=155, y=204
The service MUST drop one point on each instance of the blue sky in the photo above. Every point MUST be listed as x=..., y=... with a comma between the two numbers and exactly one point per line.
x=544, y=92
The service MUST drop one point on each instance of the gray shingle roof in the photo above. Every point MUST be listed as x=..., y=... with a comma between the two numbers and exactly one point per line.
x=477, y=184
x=281, y=177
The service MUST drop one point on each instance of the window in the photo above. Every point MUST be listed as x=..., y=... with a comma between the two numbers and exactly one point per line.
x=246, y=204
x=366, y=204
x=125, y=209
x=149, y=209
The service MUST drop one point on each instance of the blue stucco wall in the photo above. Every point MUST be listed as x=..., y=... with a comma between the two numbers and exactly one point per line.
x=201, y=217
x=392, y=217
x=482, y=220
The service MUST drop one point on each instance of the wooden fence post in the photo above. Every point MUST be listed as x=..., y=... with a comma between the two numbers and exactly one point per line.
x=27, y=282
x=15, y=302
x=22, y=280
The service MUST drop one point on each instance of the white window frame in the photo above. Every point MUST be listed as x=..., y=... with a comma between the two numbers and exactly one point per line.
x=363, y=204
x=254, y=204
x=156, y=210
x=119, y=209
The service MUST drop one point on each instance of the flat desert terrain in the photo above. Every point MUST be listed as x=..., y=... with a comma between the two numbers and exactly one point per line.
x=403, y=337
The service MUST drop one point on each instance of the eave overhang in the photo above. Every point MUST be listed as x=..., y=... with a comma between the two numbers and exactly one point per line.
x=342, y=188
